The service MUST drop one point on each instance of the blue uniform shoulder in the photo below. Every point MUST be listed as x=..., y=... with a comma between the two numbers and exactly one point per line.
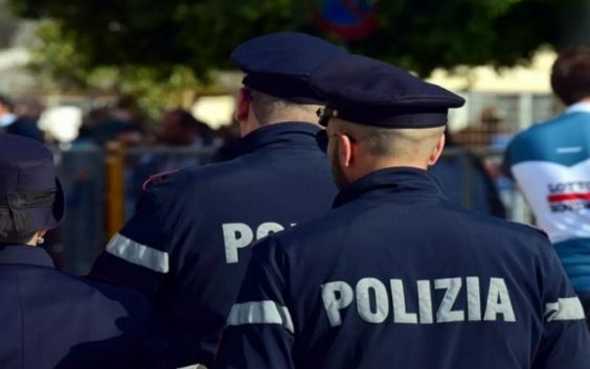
x=207, y=181
x=107, y=325
x=99, y=296
x=185, y=188
x=507, y=237
x=170, y=185
x=510, y=235
x=132, y=301
x=41, y=287
x=503, y=227
x=159, y=179
x=218, y=171
x=255, y=168
x=163, y=183
x=506, y=227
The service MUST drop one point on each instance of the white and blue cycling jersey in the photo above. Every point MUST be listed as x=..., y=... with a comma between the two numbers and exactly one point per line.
x=551, y=163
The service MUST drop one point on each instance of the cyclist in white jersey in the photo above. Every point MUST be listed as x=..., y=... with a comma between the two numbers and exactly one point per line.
x=551, y=163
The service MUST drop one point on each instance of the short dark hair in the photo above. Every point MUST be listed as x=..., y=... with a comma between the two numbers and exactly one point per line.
x=570, y=75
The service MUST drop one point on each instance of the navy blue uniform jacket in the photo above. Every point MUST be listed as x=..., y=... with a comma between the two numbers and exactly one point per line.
x=396, y=277
x=53, y=320
x=188, y=244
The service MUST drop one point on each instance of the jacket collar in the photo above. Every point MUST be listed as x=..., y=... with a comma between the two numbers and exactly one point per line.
x=22, y=254
x=286, y=134
x=405, y=183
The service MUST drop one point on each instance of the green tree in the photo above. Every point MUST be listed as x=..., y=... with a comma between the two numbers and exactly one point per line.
x=176, y=43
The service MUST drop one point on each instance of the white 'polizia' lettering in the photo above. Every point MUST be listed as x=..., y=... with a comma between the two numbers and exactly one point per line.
x=377, y=304
x=499, y=301
x=239, y=235
x=372, y=313
x=336, y=296
x=445, y=312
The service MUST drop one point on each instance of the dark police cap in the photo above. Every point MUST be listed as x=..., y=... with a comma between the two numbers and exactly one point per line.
x=366, y=91
x=280, y=64
x=31, y=196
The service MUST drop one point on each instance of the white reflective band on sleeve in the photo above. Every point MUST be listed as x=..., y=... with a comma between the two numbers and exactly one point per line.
x=569, y=308
x=136, y=253
x=260, y=312
x=194, y=366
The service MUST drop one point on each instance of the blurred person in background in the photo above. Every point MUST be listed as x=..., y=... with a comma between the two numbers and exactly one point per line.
x=491, y=131
x=187, y=246
x=22, y=125
x=180, y=128
x=52, y=319
x=465, y=180
x=122, y=122
x=550, y=162
x=89, y=121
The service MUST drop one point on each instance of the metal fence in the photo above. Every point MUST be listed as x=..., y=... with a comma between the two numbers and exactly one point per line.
x=102, y=186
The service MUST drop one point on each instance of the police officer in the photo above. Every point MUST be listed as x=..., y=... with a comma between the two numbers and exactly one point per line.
x=395, y=276
x=51, y=319
x=189, y=242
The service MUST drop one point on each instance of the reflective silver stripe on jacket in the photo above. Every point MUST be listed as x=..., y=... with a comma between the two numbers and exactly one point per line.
x=136, y=253
x=260, y=312
x=569, y=308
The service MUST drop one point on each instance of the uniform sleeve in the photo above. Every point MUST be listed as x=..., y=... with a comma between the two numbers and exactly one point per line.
x=138, y=256
x=566, y=339
x=259, y=332
x=152, y=253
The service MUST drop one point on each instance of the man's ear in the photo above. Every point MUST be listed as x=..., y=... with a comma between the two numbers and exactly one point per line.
x=242, y=105
x=437, y=151
x=345, y=150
